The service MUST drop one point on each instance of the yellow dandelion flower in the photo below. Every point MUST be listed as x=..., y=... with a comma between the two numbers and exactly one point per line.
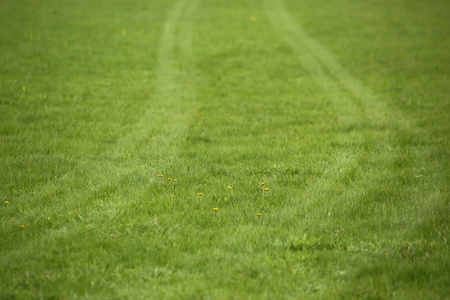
x=22, y=226
x=6, y=202
x=259, y=214
x=160, y=176
x=173, y=196
x=266, y=189
x=200, y=194
x=262, y=183
x=216, y=209
x=169, y=179
x=229, y=187
x=174, y=180
x=201, y=114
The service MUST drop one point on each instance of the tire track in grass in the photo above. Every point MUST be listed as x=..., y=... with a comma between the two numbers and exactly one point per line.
x=167, y=117
x=390, y=206
x=360, y=108
x=322, y=65
x=153, y=143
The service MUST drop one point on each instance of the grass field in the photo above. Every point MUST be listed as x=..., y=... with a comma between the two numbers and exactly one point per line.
x=303, y=147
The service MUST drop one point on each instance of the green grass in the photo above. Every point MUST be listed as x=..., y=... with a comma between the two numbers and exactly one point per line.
x=339, y=107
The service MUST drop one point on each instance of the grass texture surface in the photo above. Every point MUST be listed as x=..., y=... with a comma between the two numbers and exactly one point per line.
x=257, y=149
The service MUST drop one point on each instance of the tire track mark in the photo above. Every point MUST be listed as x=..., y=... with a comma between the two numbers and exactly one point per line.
x=380, y=125
x=324, y=66
x=153, y=142
x=167, y=116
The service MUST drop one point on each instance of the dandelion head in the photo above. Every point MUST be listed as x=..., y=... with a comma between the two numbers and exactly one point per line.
x=216, y=209
x=259, y=214
x=200, y=194
x=262, y=183
x=266, y=189
x=169, y=179
x=229, y=187
x=160, y=176
x=6, y=202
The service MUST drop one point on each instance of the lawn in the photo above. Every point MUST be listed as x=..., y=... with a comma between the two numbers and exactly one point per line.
x=257, y=149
